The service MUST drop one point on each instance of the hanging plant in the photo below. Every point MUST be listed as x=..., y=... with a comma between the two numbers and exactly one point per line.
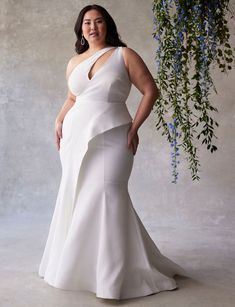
x=191, y=35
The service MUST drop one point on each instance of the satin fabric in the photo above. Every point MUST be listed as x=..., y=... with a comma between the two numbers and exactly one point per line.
x=96, y=240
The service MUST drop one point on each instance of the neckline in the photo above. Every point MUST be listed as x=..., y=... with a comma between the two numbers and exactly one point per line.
x=105, y=63
x=110, y=47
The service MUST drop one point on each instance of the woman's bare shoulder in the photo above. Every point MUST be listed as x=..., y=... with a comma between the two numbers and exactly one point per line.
x=129, y=51
x=130, y=55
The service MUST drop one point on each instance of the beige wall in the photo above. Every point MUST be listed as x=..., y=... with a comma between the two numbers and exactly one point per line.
x=37, y=40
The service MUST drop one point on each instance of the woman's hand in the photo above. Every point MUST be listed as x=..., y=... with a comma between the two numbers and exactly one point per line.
x=58, y=133
x=132, y=140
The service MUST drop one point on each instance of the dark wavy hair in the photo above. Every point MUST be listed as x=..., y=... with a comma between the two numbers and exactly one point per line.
x=112, y=36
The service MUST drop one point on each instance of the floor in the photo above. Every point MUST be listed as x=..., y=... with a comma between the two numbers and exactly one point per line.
x=208, y=255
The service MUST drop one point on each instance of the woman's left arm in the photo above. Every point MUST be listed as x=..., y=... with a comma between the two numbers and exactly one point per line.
x=142, y=79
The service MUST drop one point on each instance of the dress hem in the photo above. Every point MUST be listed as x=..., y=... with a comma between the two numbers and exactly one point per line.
x=107, y=294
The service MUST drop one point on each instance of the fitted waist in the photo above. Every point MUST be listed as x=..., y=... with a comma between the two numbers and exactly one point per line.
x=107, y=111
x=82, y=100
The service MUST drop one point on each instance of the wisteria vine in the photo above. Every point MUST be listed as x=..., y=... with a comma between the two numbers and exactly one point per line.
x=175, y=150
x=191, y=35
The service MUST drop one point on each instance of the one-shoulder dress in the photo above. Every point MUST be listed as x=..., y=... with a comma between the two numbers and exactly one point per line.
x=96, y=240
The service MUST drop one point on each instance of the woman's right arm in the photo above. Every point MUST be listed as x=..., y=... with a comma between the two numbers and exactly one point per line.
x=69, y=102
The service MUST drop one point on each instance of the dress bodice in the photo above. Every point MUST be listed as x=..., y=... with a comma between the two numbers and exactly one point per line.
x=110, y=83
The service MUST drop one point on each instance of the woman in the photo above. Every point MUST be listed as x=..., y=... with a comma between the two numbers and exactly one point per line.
x=96, y=240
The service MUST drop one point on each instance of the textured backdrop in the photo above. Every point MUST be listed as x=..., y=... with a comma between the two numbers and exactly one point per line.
x=37, y=41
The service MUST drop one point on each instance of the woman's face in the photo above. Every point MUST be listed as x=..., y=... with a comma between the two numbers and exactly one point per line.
x=94, y=27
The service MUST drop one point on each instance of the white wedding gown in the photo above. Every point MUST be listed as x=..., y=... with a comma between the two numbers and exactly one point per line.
x=96, y=240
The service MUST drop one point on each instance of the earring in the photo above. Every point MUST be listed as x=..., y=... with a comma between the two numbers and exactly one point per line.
x=82, y=40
